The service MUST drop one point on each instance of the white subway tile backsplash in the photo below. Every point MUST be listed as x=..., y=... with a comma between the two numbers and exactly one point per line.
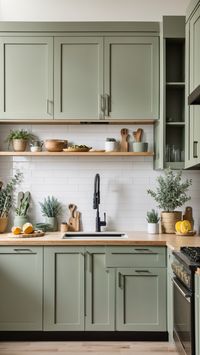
x=124, y=180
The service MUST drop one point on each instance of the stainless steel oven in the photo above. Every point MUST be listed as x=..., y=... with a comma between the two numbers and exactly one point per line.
x=183, y=318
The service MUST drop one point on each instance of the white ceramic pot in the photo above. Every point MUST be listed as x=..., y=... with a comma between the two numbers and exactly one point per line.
x=110, y=146
x=153, y=228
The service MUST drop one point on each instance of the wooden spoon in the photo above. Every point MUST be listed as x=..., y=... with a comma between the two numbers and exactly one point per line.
x=124, y=142
x=138, y=134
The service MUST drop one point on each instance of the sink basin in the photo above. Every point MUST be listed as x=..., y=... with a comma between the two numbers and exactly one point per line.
x=95, y=235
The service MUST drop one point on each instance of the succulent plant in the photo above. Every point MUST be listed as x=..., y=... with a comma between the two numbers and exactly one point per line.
x=152, y=216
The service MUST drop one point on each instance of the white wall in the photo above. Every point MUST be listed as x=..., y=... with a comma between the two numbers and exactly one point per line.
x=90, y=10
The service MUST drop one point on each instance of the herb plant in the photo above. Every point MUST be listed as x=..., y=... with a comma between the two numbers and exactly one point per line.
x=51, y=207
x=152, y=216
x=20, y=134
x=23, y=205
x=6, y=194
x=171, y=192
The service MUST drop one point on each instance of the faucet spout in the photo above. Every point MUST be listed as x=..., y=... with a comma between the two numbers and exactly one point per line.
x=96, y=203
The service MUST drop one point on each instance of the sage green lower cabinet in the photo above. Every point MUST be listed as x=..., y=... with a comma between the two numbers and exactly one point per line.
x=21, y=288
x=170, y=322
x=100, y=291
x=141, y=299
x=64, y=288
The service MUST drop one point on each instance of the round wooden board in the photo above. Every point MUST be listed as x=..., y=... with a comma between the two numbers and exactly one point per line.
x=76, y=150
x=35, y=234
x=189, y=234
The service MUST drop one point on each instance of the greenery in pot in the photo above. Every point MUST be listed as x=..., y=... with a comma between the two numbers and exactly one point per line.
x=6, y=194
x=50, y=209
x=171, y=192
x=20, y=134
x=23, y=203
x=152, y=217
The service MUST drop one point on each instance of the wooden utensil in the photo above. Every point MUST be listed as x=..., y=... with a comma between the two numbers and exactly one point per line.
x=74, y=220
x=138, y=135
x=188, y=216
x=124, y=141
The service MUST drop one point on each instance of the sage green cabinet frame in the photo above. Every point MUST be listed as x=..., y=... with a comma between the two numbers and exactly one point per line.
x=21, y=284
x=100, y=291
x=192, y=137
x=141, y=299
x=64, y=288
x=26, y=71
x=78, y=77
x=170, y=318
x=131, y=77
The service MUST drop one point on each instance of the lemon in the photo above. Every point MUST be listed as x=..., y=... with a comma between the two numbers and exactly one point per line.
x=178, y=226
x=16, y=230
x=27, y=228
x=185, y=226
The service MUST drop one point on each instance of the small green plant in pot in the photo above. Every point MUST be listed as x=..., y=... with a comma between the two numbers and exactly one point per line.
x=153, y=219
x=51, y=208
x=23, y=203
x=170, y=193
x=19, y=139
x=6, y=199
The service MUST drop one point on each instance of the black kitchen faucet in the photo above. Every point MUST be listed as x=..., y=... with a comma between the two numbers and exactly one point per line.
x=96, y=203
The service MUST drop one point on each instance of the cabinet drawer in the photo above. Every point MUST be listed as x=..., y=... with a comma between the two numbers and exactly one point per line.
x=136, y=256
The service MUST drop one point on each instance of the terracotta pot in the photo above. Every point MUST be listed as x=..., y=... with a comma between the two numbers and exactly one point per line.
x=19, y=145
x=55, y=145
x=168, y=221
x=3, y=224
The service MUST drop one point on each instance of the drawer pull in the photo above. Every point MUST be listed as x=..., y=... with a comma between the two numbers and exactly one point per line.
x=195, y=150
x=25, y=251
x=143, y=271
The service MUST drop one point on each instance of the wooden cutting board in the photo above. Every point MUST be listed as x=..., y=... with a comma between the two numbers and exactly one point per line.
x=35, y=234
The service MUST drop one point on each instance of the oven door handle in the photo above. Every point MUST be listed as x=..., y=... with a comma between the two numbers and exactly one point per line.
x=187, y=295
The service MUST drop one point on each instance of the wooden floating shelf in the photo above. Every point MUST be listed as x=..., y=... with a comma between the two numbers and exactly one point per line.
x=120, y=121
x=88, y=154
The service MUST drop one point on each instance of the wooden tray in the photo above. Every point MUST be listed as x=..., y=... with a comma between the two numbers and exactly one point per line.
x=37, y=233
x=76, y=149
x=189, y=234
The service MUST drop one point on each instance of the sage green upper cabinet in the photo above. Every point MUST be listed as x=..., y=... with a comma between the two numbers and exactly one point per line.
x=21, y=288
x=194, y=50
x=197, y=314
x=78, y=77
x=63, y=288
x=100, y=291
x=26, y=71
x=141, y=299
x=192, y=137
x=131, y=77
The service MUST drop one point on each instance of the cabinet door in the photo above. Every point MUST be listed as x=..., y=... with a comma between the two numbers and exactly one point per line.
x=193, y=136
x=78, y=77
x=63, y=288
x=141, y=299
x=170, y=322
x=21, y=288
x=132, y=77
x=26, y=72
x=100, y=291
x=195, y=50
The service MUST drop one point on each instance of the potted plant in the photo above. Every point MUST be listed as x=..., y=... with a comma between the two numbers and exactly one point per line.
x=19, y=139
x=6, y=199
x=152, y=219
x=170, y=193
x=51, y=208
x=23, y=203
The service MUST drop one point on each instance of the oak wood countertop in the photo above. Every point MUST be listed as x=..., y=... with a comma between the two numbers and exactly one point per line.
x=134, y=238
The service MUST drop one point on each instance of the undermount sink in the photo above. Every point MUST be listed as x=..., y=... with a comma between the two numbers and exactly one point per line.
x=95, y=235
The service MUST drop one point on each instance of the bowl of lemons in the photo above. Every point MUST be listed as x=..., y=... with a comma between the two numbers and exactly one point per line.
x=184, y=228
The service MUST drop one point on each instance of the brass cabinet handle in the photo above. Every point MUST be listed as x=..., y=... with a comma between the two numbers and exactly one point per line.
x=107, y=108
x=195, y=145
x=143, y=271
